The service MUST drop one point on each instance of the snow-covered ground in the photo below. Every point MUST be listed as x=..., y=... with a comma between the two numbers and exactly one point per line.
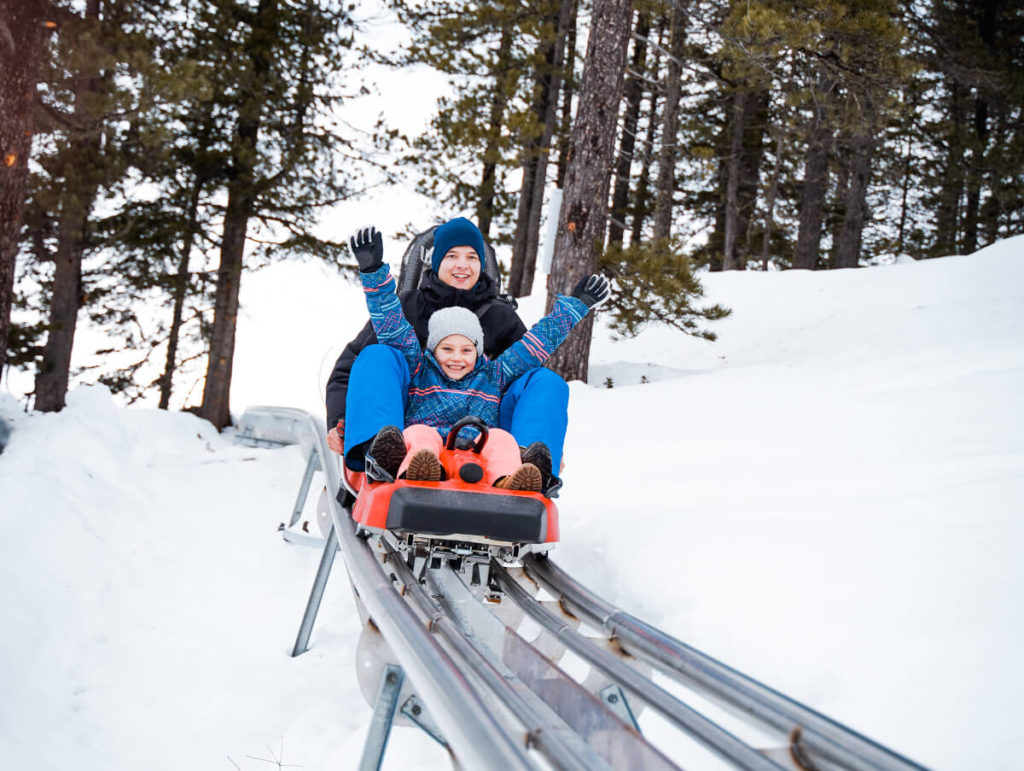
x=829, y=498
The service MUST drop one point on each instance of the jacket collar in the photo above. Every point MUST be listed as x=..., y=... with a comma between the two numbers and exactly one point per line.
x=440, y=295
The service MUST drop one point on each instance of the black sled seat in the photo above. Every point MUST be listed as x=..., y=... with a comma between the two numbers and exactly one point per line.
x=433, y=511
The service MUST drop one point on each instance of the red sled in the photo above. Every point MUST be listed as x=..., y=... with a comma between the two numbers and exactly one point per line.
x=461, y=508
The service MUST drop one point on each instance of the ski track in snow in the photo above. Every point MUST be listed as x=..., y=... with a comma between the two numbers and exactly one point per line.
x=827, y=499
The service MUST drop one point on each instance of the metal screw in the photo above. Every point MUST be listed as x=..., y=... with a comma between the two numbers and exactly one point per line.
x=613, y=698
x=392, y=678
x=416, y=709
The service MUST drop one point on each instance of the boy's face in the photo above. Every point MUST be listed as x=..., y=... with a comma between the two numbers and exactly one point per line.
x=457, y=356
x=460, y=267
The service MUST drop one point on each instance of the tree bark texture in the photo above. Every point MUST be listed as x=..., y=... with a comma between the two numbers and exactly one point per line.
x=947, y=211
x=634, y=91
x=769, y=205
x=21, y=44
x=180, y=291
x=568, y=91
x=850, y=234
x=582, y=221
x=730, y=260
x=666, y=183
x=548, y=82
x=81, y=185
x=812, y=194
x=242, y=193
x=642, y=195
x=499, y=99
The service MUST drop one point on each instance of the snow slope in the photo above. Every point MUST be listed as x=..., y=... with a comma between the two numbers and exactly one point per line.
x=828, y=499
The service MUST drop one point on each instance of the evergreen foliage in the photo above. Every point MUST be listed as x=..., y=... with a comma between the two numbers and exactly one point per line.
x=169, y=159
x=489, y=52
x=654, y=281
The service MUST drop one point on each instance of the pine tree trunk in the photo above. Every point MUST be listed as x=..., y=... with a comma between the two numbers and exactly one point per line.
x=81, y=186
x=947, y=212
x=166, y=381
x=986, y=12
x=536, y=151
x=666, y=184
x=904, y=199
x=755, y=127
x=642, y=193
x=241, y=195
x=975, y=174
x=812, y=195
x=634, y=92
x=730, y=260
x=568, y=91
x=583, y=219
x=499, y=99
x=769, y=206
x=21, y=46
x=848, y=249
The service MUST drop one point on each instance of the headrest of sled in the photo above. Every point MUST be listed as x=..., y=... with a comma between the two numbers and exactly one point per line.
x=416, y=262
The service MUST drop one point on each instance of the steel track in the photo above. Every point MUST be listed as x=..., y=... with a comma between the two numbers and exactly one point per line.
x=501, y=703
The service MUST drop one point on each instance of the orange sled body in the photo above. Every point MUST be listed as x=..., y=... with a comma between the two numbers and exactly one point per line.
x=460, y=508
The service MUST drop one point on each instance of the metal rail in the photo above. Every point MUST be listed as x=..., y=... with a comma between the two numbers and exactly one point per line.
x=563, y=747
x=476, y=738
x=494, y=695
x=710, y=734
x=825, y=742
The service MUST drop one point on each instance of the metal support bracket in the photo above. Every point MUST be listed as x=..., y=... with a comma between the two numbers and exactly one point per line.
x=323, y=572
x=383, y=717
x=312, y=466
x=615, y=699
x=418, y=714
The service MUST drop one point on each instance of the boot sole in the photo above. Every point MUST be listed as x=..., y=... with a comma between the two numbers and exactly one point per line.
x=424, y=467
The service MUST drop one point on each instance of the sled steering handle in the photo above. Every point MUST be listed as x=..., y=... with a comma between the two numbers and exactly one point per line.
x=475, y=422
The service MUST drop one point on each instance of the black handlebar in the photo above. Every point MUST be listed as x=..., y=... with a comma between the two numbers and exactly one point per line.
x=469, y=420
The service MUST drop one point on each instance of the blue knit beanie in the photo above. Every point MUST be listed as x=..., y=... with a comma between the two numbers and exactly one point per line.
x=457, y=232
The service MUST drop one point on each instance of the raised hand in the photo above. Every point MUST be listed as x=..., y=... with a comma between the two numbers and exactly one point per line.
x=593, y=290
x=368, y=248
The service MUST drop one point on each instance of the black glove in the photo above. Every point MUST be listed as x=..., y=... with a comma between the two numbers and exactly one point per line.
x=593, y=290
x=368, y=248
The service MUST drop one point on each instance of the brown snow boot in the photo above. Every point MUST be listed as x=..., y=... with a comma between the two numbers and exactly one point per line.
x=540, y=456
x=424, y=466
x=385, y=454
x=526, y=478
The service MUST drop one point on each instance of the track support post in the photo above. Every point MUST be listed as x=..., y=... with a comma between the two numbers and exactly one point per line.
x=383, y=717
x=316, y=594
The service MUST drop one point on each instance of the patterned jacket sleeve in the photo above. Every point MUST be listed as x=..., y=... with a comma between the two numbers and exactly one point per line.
x=540, y=341
x=389, y=322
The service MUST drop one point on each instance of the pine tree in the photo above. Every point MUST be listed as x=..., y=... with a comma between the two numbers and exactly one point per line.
x=279, y=166
x=548, y=76
x=85, y=96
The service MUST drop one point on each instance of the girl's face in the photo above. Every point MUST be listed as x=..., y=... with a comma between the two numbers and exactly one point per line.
x=457, y=356
x=460, y=267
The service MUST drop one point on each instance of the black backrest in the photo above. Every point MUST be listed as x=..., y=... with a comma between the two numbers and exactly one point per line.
x=416, y=262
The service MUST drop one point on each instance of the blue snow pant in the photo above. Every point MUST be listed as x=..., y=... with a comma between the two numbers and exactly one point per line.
x=535, y=408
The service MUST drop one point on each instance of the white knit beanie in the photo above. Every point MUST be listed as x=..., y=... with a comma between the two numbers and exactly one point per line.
x=454, y=321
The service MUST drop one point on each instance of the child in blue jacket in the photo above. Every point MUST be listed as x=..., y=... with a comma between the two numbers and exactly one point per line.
x=453, y=379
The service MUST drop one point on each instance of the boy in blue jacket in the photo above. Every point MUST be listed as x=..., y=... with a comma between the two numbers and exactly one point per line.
x=453, y=379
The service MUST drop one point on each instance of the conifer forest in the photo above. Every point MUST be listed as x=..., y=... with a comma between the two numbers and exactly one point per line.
x=155, y=151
